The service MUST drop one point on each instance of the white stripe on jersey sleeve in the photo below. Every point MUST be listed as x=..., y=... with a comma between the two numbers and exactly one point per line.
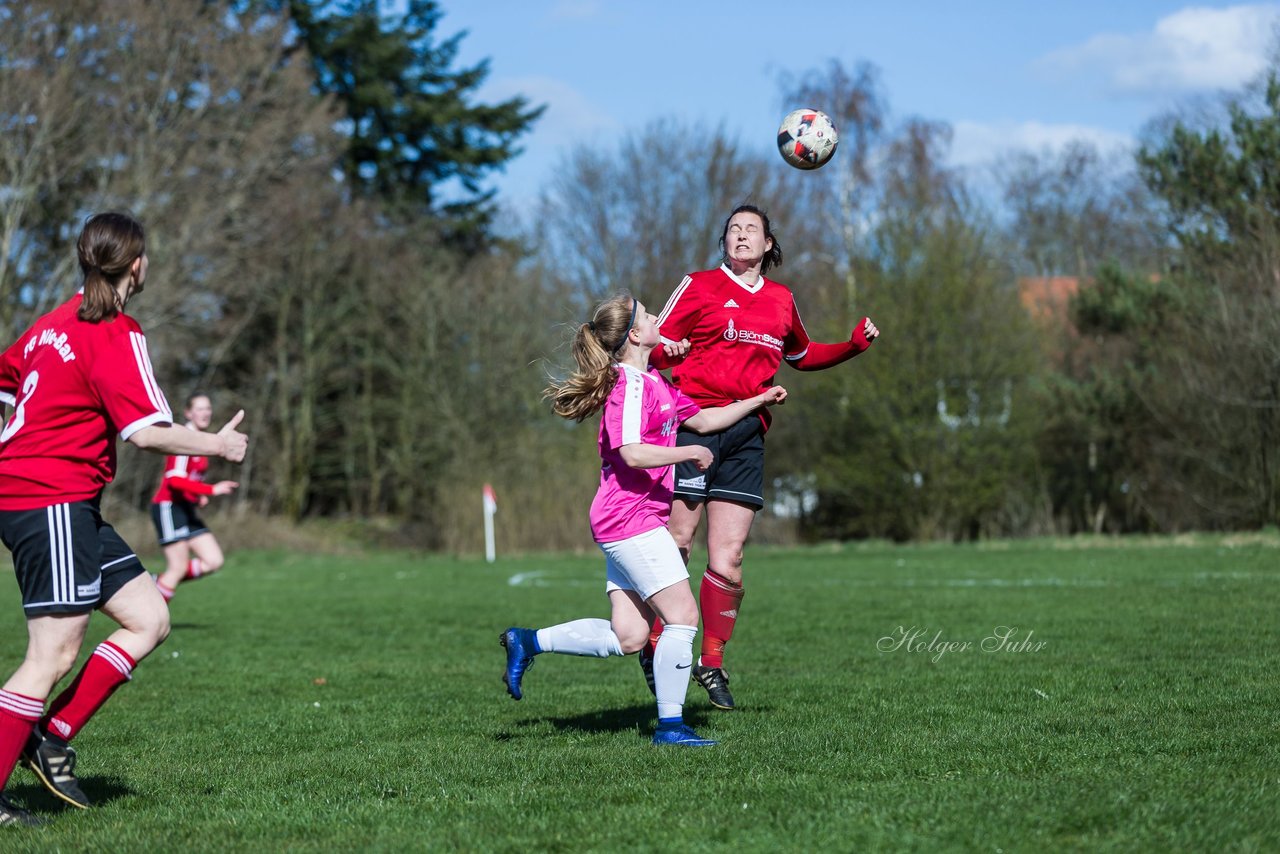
x=632, y=407
x=154, y=418
x=674, y=298
x=139, y=342
x=7, y=399
x=792, y=357
x=179, y=466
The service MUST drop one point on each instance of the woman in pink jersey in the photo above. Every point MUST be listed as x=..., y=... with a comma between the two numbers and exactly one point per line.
x=77, y=379
x=741, y=327
x=191, y=550
x=645, y=574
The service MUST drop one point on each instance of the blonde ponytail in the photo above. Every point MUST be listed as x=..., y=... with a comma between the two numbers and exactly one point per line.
x=594, y=347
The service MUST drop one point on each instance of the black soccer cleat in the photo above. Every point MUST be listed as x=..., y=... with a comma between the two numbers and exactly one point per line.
x=10, y=814
x=55, y=764
x=646, y=664
x=716, y=681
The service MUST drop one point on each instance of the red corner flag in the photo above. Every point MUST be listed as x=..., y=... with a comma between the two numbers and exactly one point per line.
x=490, y=507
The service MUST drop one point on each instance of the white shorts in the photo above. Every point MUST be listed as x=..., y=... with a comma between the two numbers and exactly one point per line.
x=645, y=563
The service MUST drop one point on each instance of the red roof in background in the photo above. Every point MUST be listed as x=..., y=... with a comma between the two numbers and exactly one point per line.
x=1047, y=298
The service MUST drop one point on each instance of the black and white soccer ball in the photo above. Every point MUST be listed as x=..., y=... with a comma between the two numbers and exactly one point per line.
x=807, y=138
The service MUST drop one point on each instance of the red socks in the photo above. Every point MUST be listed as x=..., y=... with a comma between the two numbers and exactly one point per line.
x=106, y=670
x=18, y=715
x=718, y=599
x=655, y=632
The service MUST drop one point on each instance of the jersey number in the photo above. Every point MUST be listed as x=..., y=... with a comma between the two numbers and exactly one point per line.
x=19, y=414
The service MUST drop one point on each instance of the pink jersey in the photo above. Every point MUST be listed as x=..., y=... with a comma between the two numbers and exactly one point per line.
x=642, y=408
x=739, y=335
x=183, y=478
x=75, y=386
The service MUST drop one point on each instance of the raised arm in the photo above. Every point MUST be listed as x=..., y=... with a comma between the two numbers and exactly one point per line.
x=819, y=357
x=642, y=456
x=718, y=418
x=228, y=443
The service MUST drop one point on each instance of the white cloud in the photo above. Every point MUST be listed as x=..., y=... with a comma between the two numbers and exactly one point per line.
x=1194, y=49
x=569, y=116
x=975, y=144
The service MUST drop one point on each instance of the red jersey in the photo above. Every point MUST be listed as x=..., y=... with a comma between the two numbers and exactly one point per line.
x=75, y=386
x=183, y=478
x=739, y=335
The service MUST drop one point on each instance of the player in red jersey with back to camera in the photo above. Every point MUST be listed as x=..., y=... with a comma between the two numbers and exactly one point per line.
x=640, y=411
x=741, y=326
x=191, y=550
x=77, y=379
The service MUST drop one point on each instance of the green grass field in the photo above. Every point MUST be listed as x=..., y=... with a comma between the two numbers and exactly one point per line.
x=355, y=703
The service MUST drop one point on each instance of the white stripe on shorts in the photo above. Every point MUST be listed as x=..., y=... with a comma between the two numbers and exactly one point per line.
x=61, y=565
x=166, y=519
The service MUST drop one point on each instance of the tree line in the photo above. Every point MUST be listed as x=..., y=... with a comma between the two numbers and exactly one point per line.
x=325, y=255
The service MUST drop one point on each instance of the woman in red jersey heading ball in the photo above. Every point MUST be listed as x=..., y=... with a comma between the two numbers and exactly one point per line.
x=191, y=550
x=77, y=379
x=741, y=326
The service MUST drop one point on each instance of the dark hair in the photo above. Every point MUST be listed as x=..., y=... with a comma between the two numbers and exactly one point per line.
x=772, y=258
x=595, y=347
x=191, y=399
x=109, y=244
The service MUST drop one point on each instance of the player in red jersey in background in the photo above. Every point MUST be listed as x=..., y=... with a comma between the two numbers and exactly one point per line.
x=191, y=550
x=741, y=326
x=77, y=379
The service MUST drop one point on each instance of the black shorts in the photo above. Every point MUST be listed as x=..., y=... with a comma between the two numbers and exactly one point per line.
x=176, y=521
x=736, y=473
x=66, y=558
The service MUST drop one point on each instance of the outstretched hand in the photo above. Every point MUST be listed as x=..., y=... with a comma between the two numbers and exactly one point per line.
x=700, y=457
x=224, y=487
x=774, y=395
x=675, y=350
x=869, y=330
x=234, y=443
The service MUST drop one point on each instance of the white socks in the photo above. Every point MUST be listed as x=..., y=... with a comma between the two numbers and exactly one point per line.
x=672, y=658
x=581, y=637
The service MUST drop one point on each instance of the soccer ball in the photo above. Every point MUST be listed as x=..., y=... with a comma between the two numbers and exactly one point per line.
x=807, y=138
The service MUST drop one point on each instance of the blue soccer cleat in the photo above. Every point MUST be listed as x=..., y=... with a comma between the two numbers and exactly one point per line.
x=521, y=646
x=681, y=736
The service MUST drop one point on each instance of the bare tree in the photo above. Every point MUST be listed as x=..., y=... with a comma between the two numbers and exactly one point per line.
x=640, y=218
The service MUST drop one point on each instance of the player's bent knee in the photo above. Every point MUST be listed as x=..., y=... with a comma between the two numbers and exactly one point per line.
x=160, y=626
x=633, y=641
x=61, y=665
x=154, y=627
x=683, y=617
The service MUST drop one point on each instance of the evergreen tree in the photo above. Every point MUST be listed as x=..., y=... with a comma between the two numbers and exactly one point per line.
x=410, y=117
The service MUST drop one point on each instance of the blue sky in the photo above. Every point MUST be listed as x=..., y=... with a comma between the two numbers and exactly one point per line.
x=1002, y=73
